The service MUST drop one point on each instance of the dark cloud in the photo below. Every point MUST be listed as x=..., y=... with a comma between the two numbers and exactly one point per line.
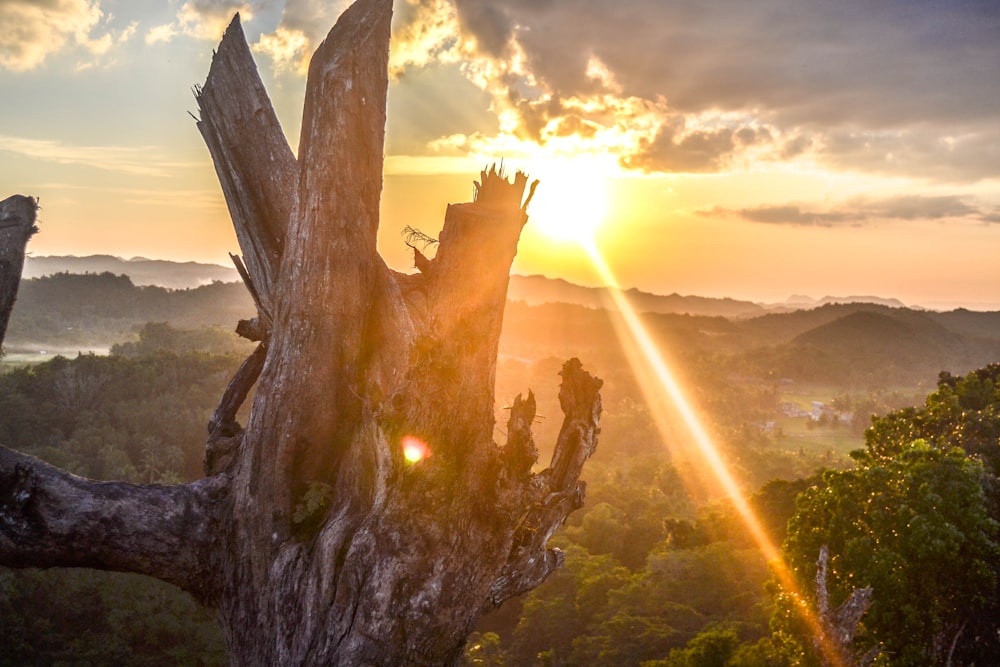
x=787, y=215
x=699, y=151
x=865, y=211
x=897, y=87
x=488, y=22
x=916, y=207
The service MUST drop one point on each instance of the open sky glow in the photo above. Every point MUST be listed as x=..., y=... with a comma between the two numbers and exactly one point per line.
x=746, y=149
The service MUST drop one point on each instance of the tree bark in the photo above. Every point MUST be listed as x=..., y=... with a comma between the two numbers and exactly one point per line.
x=17, y=224
x=840, y=625
x=316, y=537
x=51, y=518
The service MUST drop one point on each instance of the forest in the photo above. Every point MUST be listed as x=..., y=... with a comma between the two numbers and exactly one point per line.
x=869, y=430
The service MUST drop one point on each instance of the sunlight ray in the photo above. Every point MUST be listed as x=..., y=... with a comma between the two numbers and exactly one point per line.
x=665, y=394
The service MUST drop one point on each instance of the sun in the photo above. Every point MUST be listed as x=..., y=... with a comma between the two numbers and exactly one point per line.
x=571, y=202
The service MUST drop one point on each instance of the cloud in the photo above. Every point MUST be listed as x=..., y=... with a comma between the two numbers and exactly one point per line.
x=34, y=30
x=926, y=151
x=424, y=32
x=207, y=19
x=288, y=49
x=164, y=33
x=286, y=31
x=486, y=22
x=919, y=207
x=134, y=160
x=676, y=148
x=875, y=88
x=862, y=210
x=786, y=214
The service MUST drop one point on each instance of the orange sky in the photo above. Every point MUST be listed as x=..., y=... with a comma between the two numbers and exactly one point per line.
x=753, y=150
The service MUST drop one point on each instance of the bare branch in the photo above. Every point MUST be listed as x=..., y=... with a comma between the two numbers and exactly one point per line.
x=51, y=518
x=223, y=420
x=414, y=236
x=840, y=625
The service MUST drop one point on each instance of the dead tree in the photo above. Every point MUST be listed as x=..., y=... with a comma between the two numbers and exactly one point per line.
x=17, y=224
x=840, y=625
x=315, y=537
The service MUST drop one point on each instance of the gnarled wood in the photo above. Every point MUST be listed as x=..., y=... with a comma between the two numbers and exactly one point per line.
x=255, y=165
x=17, y=224
x=317, y=539
x=840, y=625
x=51, y=518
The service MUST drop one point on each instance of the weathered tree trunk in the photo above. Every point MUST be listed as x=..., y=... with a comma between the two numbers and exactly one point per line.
x=317, y=539
x=17, y=224
x=839, y=626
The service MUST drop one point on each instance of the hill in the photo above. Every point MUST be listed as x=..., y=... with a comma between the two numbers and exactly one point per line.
x=532, y=290
x=142, y=271
x=858, y=344
x=68, y=313
x=870, y=345
x=536, y=290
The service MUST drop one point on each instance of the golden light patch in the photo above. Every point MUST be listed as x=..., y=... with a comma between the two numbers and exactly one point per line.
x=415, y=449
x=571, y=202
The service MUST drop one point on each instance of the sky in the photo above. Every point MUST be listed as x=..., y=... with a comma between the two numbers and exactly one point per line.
x=754, y=150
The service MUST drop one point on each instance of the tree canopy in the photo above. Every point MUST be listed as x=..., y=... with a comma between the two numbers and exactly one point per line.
x=916, y=520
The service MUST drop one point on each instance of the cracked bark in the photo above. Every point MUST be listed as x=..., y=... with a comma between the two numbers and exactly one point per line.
x=17, y=224
x=315, y=538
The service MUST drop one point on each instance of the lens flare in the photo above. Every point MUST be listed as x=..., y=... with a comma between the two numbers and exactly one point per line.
x=415, y=449
x=664, y=393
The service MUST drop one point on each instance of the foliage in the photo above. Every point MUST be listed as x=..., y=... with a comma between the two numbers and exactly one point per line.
x=911, y=507
x=85, y=617
x=653, y=575
x=713, y=647
x=963, y=412
x=138, y=419
x=84, y=311
x=155, y=336
x=595, y=612
x=483, y=650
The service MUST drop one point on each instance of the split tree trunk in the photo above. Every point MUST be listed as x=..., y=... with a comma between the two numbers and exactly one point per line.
x=319, y=542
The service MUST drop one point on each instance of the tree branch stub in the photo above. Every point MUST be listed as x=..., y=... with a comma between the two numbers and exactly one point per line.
x=17, y=225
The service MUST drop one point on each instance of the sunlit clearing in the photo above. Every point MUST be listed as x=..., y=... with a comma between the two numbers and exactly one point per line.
x=571, y=201
x=666, y=394
x=415, y=449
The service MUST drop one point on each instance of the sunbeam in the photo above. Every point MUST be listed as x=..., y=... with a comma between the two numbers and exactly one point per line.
x=665, y=394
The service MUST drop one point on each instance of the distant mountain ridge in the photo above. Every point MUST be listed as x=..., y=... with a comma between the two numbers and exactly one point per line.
x=535, y=290
x=142, y=271
x=857, y=344
x=531, y=290
x=798, y=301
